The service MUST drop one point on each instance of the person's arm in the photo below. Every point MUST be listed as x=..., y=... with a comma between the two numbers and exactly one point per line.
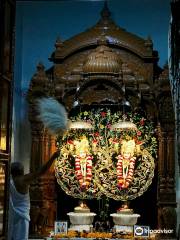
x=28, y=178
x=48, y=164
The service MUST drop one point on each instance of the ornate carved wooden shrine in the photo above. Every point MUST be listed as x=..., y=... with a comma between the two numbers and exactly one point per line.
x=93, y=66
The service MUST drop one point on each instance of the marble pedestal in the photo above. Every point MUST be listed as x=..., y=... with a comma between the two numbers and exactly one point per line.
x=81, y=221
x=124, y=222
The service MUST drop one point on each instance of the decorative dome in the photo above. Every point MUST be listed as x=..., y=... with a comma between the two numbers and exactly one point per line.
x=103, y=60
x=116, y=36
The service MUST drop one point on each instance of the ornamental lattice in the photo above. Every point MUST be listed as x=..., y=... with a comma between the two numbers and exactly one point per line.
x=88, y=166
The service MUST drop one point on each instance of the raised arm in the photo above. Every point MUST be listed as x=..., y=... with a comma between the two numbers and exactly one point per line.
x=48, y=164
x=28, y=178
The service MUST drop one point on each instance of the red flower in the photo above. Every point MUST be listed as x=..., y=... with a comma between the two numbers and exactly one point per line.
x=139, y=133
x=115, y=140
x=142, y=121
x=96, y=134
x=103, y=114
x=70, y=141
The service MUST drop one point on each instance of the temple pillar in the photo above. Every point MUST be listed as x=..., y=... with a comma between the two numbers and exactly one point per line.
x=166, y=185
x=42, y=190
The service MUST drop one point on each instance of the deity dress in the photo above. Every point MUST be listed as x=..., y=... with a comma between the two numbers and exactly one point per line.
x=83, y=162
x=126, y=163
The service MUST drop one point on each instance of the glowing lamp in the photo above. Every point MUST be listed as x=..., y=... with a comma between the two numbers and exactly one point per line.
x=80, y=125
x=123, y=125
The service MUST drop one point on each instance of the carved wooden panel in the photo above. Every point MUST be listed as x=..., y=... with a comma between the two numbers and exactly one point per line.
x=147, y=86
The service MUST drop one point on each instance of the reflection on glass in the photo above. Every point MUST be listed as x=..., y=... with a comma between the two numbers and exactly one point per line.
x=4, y=117
x=2, y=195
x=3, y=137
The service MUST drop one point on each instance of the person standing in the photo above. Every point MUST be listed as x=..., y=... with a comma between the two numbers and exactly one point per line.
x=19, y=202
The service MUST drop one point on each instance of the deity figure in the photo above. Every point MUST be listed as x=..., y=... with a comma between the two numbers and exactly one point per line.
x=126, y=163
x=83, y=162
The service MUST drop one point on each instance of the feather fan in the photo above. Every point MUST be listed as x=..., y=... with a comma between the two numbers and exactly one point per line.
x=52, y=114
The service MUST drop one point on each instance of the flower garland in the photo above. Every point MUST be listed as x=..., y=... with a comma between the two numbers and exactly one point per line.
x=125, y=174
x=83, y=170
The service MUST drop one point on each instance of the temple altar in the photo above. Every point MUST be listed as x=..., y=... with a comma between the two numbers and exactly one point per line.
x=105, y=78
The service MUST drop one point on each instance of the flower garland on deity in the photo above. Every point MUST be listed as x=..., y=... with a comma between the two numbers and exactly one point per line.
x=83, y=162
x=126, y=164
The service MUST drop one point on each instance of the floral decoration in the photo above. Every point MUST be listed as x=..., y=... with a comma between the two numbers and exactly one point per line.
x=103, y=149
